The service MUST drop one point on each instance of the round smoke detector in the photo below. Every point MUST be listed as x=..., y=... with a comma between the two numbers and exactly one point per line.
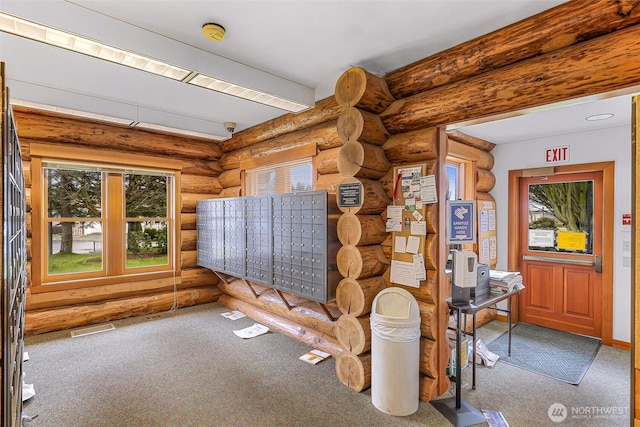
x=213, y=31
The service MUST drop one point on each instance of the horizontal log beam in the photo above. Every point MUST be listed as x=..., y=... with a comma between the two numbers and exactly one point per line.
x=353, y=333
x=356, y=296
x=358, y=88
x=230, y=178
x=198, y=277
x=231, y=192
x=188, y=201
x=361, y=261
x=359, y=125
x=485, y=180
x=300, y=310
x=324, y=136
x=569, y=23
x=362, y=160
x=353, y=370
x=188, y=221
x=327, y=161
x=329, y=182
x=201, y=167
x=415, y=146
x=469, y=140
x=188, y=259
x=55, y=319
x=374, y=199
x=200, y=184
x=483, y=159
x=601, y=65
x=324, y=111
x=287, y=327
x=429, y=388
x=56, y=128
x=361, y=230
x=188, y=240
x=92, y=294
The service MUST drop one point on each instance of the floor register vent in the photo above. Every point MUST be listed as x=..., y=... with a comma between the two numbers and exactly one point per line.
x=92, y=330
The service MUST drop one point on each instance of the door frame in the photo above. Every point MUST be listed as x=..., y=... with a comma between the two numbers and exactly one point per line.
x=513, y=250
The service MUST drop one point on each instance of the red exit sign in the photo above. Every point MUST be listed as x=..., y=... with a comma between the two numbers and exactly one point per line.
x=556, y=154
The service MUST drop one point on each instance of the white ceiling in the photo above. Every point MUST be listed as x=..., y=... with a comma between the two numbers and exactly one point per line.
x=302, y=45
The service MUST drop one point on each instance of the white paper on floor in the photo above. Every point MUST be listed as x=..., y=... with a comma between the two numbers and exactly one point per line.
x=28, y=391
x=233, y=315
x=252, y=331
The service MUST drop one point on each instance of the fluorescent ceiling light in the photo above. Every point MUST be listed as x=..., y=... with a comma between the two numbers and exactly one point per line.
x=246, y=93
x=153, y=126
x=117, y=120
x=51, y=36
x=69, y=111
x=54, y=37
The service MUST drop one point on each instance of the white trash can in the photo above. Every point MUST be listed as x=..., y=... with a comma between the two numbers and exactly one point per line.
x=395, y=352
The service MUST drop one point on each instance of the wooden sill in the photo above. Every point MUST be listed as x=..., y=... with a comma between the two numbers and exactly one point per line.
x=101, y=281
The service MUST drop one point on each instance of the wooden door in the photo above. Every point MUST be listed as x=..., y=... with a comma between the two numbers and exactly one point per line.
x=561, y=220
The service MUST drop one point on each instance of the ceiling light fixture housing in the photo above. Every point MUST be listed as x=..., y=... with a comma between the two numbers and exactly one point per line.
x=213, y=32
x=55, y=37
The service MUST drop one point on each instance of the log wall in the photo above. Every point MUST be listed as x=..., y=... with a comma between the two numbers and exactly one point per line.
x=61, y=309
x=576, y=49
x=404, y=114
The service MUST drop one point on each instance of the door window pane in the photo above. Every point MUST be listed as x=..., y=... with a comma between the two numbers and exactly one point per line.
x=561, y=217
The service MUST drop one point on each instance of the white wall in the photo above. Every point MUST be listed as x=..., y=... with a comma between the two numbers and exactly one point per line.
x=595, y=146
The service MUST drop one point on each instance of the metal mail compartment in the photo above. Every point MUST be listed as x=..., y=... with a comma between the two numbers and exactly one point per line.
x=278, y=240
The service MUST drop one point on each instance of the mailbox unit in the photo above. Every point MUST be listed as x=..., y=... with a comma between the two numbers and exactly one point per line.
x=279, y=240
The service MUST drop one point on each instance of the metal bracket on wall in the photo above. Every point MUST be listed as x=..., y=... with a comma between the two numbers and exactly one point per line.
x=253, y=291
x=221, y=277
x=327, y=312
x=284, y=300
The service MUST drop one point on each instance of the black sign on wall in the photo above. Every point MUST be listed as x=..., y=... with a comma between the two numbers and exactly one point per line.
x=350, y=195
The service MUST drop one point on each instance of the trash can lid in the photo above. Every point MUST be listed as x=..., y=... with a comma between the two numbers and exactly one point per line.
x=397, y=306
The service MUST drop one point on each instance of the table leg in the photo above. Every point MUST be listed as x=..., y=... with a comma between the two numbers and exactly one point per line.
x=458, y=361
x=509, y=323
x=473, y=354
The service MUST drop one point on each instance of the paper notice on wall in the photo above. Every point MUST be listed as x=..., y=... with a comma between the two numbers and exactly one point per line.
x=413, y=245
x=421, y=270
x=493, y=248
x=394, y=218
x=419, y=228
x=428, y=192
x=492, y=219
x=404, y=273
x=484, y=220
x=484, y=250
x=400, y=244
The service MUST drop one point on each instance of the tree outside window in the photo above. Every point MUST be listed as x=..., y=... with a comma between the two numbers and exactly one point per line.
x=92, y=212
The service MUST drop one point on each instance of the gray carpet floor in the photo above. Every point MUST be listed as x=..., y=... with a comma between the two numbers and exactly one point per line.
x=187, y=368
